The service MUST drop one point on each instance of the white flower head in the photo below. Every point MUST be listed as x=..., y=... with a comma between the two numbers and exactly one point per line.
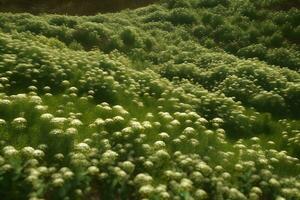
x=93, y=170
x=19, y=123
x=143, y=179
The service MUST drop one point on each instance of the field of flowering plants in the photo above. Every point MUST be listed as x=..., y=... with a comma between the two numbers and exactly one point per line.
x=178, y=100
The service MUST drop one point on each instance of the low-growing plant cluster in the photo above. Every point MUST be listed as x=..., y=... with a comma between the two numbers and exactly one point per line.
x=150, y=104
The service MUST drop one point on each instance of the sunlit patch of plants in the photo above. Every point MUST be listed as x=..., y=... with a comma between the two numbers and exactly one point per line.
x=115, y=106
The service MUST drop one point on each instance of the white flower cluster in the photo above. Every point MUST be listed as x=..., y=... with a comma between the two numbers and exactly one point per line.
x=196, y=124
x=19, y=123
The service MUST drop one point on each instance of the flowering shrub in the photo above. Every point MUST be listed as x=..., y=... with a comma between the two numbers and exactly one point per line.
x=130, y=105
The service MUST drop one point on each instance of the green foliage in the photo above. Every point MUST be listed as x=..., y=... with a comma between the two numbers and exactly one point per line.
x=181, y=16
x=269, y=102
x=156, y=16
x=212, y=3
x=178, y=4
x=284, y=57
x=252, y=51
x=169, y=101
x=291, y=95
x=75, y=46
x=268, y=28
x=276, y=40
x=212, y=19
x=129, y=37
x=200, y=31
x=59, y=20
x=91, y=34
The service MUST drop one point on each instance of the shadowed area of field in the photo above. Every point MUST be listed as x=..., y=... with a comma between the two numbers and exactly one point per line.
x=72, y=7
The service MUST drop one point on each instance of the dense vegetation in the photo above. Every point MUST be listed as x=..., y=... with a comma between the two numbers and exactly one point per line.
x=183, y=99
x=78, y=7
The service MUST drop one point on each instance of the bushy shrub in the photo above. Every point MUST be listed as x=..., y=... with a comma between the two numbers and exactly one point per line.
x=35, y=26
x=182, y=16
x=293, y=16
x=59, y=20
x=98, y=18
x=129, y=37
x=275, y=40
x=178, y=4
x=213, y=3
x=268, y=28
x=226, y=33
x=156, y=16
x=91, y=34
x=290, y=32
x=240, y=88
x=62, y=33
x=270, y=102
x=114, y=43
x=254, y=50
x=248, y=10
x=149, y=43
x=213, y=20
x=253, y=34
x=283, y=57
x=209, y=43
x=75, y=46
x=201, y=31
x=292, y=97
x=183, y=70
x=295, y=34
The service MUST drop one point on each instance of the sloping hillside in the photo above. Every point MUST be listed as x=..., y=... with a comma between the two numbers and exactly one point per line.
x=193, y=99
x=71, y=7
